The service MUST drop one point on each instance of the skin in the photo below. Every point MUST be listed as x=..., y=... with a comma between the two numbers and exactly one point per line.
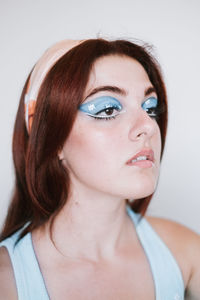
x=101, y=141
x=93, y=238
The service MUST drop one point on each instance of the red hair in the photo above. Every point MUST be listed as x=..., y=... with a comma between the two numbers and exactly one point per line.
x=42, y=183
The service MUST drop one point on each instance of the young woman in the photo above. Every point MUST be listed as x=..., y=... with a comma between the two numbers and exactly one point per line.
x=88, y=139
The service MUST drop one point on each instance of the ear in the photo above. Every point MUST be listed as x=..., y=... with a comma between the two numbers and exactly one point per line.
x=61, y=155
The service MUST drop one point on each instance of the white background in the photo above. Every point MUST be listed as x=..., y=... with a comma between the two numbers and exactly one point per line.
x=28, y=27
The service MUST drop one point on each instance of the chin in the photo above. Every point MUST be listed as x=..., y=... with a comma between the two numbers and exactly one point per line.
x=141, y=190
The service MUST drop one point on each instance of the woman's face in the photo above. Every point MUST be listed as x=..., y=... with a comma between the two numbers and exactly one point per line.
x=114, y=146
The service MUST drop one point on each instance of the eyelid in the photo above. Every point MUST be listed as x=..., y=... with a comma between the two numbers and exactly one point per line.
x=105, y=117
x=150, y=102
x=99, y=104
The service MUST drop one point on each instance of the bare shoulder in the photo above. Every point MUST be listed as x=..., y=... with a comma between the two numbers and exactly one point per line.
x=175, y=232
x=185, y=246
x=7, y=281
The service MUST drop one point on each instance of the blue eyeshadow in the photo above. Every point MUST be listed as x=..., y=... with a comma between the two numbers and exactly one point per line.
x=151, y=102
x=99, y=104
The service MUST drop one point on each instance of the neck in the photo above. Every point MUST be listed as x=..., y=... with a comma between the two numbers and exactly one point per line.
x=92, y=227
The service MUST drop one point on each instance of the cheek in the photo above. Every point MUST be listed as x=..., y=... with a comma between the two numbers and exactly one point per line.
x=96, y=154
x=158, y=142
x=90, y=148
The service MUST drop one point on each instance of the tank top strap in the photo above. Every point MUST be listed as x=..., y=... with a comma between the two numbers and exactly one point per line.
x=168, y=280
x=166, y=273
x=29, y=281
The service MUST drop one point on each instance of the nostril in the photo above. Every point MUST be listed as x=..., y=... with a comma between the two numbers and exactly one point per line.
x=141, y=134
x=142, y=127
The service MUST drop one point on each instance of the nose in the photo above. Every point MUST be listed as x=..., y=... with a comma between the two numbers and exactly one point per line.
x=142, y=126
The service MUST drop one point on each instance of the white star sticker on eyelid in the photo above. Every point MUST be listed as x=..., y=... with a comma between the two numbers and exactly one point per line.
x=91, y=107
x=108, y=106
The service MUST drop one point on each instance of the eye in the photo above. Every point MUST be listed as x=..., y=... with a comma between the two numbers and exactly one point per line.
x=150, y=105
x=105, y=107
x=107, y=113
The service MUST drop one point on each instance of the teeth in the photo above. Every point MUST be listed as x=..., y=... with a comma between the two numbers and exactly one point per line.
x=142, y=157
x=139, y=158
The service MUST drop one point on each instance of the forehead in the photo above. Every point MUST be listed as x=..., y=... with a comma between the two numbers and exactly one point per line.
x=121, y=71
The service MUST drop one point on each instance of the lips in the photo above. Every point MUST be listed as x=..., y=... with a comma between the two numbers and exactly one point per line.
x=144, y=158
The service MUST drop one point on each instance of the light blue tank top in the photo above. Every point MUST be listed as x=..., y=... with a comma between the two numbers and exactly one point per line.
x=167, y=276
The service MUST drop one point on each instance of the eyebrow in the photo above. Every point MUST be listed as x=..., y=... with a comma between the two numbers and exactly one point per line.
x=108, y=88
x=149, y=91
x=117, y=90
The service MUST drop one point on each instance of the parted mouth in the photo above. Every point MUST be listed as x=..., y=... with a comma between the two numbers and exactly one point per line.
x=143, y=155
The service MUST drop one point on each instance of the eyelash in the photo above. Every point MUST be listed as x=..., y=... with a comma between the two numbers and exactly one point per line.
x=105, y=118
x=110, y=110
x=153, y=112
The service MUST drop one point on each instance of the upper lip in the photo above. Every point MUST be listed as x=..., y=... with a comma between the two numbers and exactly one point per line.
x=145, y=152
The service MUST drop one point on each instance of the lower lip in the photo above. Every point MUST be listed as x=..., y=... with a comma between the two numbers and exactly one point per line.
x=142, y=164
